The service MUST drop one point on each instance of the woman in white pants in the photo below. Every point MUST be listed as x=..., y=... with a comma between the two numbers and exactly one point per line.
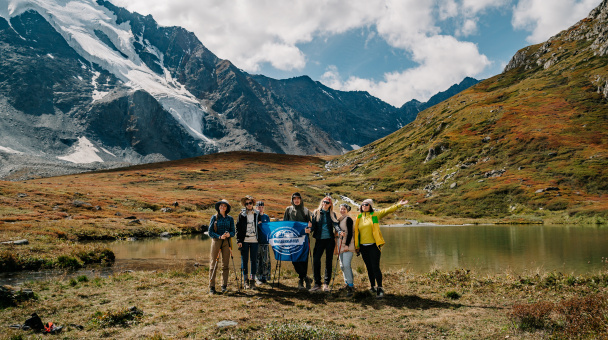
x=345, y=245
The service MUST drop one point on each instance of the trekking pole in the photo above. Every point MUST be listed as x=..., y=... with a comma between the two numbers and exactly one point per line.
x=333, y=279
x=279, y=277
x=217, y=259
x=233, y=265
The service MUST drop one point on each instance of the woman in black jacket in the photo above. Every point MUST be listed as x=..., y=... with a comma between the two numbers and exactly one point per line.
x=324, y=227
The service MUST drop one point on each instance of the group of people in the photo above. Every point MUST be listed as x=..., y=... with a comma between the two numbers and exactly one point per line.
x=333, y=236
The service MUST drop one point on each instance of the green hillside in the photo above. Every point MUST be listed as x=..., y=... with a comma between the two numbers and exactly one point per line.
x=529, y=144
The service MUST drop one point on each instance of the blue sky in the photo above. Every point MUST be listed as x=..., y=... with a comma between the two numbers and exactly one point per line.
x=397, y=50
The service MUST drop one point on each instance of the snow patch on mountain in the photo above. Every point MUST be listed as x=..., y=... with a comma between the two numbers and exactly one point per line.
x=84, y=152
x=9, y=150
x=77, y=21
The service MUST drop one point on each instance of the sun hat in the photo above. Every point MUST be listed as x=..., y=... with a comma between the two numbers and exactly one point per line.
x=223, y=201
x=368, y=201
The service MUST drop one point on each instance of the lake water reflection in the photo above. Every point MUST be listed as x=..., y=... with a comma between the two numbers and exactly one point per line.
x=485, y=249
x=419, y=249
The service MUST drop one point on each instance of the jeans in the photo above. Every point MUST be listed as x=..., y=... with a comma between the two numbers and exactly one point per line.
x=371, y=257
x=347, y=271
x=327, y=246
x=249, y=251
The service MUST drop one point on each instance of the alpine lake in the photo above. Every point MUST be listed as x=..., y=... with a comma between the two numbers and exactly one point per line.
x=484, y=249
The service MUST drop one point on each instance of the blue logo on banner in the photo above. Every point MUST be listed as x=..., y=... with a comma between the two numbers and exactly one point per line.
x=288, y=240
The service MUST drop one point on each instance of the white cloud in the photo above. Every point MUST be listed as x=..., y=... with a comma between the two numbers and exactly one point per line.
x=476, y=6
x=468, y=28
x=547, y=18
x=250, y=33
x=444, y=61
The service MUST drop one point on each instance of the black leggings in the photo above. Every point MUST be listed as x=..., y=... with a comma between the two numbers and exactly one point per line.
x=327, y=246
x=371, y=257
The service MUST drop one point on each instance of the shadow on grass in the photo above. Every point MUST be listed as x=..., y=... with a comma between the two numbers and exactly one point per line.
x=287, y=295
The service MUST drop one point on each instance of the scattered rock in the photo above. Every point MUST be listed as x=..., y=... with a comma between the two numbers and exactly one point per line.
x=118, y=213
x=97, y=207
x=130, y=218
x=175, y=204
x=495, y=173
x=134, y=222
x=453, y=185
x=21, y=195
x=226, y=323
x=486, y=139
x=552, y=154
x=166, y=234
x=79, y=204
x=166, y=210
x=17, y=242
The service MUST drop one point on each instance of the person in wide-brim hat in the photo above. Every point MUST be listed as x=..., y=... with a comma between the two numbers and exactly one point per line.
x=217, y=206
x=248, y=198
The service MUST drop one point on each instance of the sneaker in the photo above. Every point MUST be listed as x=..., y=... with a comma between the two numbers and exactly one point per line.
x=308, y=282
x=372, y=290
x=212, y=290
x=315, y=288
x=247, y=284
x=301, y=284
x=258, y=282
x=224, y=289
x=326, y=288
x=380, y=293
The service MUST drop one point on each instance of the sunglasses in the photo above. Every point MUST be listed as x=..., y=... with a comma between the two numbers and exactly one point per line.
x=325, y=202
x=248, y=203
x=365, y=204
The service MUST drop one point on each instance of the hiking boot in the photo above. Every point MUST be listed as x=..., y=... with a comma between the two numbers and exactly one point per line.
x=349, y=291
x=372, y=290
x=301, y=284
x=258, y=282
x=315, y=288
x=325, y=287
x=247, y=285
x=252, y=284
x=224, y=289
x=379, y=293
x=212, y=290
x=308, y=282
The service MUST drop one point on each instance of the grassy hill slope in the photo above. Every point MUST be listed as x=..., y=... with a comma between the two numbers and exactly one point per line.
x=530, y=140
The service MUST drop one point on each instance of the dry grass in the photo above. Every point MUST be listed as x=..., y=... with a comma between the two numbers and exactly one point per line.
x=175, y=304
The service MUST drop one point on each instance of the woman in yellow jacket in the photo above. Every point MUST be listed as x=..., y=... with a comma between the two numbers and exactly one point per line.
x=369, y=241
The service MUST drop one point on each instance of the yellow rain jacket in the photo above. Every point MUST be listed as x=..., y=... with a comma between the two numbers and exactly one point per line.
x=367, y=228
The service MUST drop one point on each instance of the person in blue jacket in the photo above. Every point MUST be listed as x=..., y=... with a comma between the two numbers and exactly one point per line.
x=221, y=229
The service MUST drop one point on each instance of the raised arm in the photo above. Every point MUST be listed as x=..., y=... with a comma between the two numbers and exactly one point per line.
x=391, y=209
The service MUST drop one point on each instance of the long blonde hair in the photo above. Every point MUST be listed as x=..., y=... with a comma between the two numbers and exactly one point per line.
x=332, y=214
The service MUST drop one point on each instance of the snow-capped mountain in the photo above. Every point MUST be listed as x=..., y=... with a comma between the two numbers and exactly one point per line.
x=84, y=81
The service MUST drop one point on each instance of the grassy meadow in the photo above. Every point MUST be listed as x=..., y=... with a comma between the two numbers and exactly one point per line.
x=57, y=214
